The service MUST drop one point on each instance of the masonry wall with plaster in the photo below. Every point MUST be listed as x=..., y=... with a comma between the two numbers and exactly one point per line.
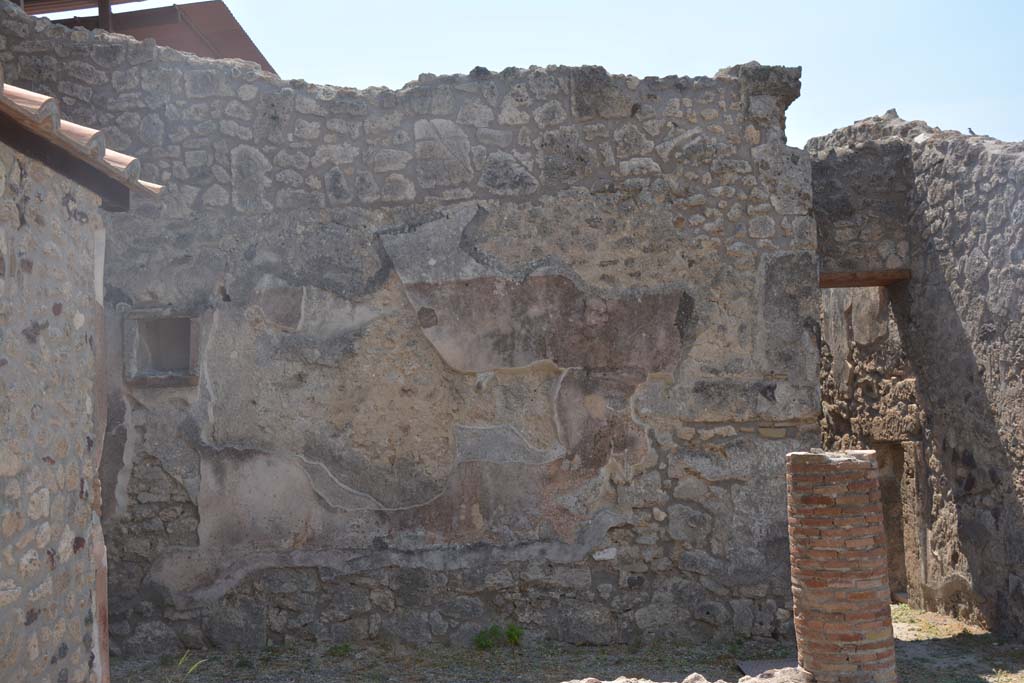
x=930, y=372
x=527, y=346
x=51, y=320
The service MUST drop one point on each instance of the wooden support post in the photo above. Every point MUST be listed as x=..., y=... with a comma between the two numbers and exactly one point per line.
x=106, y=18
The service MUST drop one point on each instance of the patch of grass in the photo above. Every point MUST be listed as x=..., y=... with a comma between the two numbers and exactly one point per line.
x=184, y=668
x=514, y=634
x=339, y=651
x=904, y=614
x=488, y=638
x=736, y=647
x=270, y=653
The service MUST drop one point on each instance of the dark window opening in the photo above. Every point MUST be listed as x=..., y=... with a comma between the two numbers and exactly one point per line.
x=161, y=351
x=165, y=345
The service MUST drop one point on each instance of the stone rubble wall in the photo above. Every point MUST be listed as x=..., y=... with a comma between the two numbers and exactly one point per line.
x=868, y=390
x=525, y=346
x=861, y=206
x=953, y=392
x=50, y=326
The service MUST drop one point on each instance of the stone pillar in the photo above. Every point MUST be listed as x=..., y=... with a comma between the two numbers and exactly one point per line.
x=839, y=570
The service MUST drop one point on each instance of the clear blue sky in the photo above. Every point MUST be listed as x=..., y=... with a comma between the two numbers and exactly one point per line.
x=954, y=64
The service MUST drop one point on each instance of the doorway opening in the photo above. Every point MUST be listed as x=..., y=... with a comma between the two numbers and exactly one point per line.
x=868, y=394
x=892, y=484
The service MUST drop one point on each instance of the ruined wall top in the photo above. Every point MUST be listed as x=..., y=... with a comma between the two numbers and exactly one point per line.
x=226, y=136
x=864, y=189
x=889, y=125
x=108, y=50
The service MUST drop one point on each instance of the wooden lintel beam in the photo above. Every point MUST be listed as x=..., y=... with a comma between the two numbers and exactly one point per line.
x=169, y=380
x=114, y=195
x=867, y=278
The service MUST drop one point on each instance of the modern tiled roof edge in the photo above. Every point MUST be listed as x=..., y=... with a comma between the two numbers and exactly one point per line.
x=40, y=114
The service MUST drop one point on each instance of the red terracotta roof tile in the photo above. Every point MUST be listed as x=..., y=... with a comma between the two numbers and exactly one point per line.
x=41, y=115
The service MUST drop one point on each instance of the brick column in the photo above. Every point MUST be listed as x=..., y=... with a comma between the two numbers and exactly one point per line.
x=839, y=570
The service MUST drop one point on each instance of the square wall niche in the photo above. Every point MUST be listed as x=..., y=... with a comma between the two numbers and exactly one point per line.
x=161, y=349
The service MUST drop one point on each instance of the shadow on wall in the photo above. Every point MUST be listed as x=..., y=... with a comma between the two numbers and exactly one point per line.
x=973, y=516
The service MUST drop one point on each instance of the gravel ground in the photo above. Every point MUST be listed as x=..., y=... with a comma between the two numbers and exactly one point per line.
x=930, y=649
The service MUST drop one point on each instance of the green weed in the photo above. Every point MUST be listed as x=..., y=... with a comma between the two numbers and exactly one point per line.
x=342, y=650
x=513, y=634
x=488, y=638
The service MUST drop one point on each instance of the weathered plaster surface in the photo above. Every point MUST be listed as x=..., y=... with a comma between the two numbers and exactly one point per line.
x=525, y=346
x=50, y=326
x=940, y=371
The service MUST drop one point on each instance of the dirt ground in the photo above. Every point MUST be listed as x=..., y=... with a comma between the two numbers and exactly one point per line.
x=930, y=649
